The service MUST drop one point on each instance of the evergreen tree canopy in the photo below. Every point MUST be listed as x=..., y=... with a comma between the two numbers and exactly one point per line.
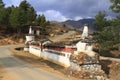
x=4, y=16
x=100, y=21
x=28, y=14
x=115, y=6
x=15, y=21
x=38, y=20
x=22, y=16
x=1, y=5
x=41, y=21
x=109, y=37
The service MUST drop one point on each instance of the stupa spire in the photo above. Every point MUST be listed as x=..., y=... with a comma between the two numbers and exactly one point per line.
x=30, y=30
x=85, y=32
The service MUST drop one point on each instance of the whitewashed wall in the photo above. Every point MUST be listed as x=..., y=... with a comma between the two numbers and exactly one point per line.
x=35, y=50
x=62, y=60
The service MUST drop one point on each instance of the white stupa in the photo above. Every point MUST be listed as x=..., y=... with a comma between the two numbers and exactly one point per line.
x=82, y=45
x=29, y=38
x=30, y=30
x=85, y=32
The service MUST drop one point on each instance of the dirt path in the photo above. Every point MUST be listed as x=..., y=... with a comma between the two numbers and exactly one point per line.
x=23, y=71
x=15, y=69
x=5, y=75
x=109, y=58
x=60, y=37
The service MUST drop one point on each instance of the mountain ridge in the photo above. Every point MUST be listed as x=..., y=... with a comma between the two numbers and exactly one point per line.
x=80, y=23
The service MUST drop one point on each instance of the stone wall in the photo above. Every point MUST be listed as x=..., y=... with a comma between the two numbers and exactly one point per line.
x=85, y=66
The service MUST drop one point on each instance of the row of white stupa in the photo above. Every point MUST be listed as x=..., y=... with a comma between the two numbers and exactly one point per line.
x=84, y=34
x=80, y=45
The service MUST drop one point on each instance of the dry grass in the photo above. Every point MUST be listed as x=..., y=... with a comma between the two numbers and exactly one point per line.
x=111, y=68
x=114, y=71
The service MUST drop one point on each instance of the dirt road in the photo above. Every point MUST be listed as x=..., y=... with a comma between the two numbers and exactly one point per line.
x=22, y=70
x=110, y=58
x=65, y=35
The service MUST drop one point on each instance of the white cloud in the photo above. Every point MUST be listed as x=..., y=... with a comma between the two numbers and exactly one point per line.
x=53, y=15
x=78, y=18
x=58, y=10
x=89, y=17
x=109, y=17
x=12, y=2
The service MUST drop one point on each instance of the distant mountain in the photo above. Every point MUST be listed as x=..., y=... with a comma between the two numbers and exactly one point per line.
x=80, y=23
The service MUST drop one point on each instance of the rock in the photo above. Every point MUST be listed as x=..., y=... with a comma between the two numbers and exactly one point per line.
x=77, y=58
x=81, y=58
x=85, y=65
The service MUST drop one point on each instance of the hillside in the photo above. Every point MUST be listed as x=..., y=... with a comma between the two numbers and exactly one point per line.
x=54, y=29
x=80, y=23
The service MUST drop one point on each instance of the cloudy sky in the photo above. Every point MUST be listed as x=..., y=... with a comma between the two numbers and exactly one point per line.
x=61, y=10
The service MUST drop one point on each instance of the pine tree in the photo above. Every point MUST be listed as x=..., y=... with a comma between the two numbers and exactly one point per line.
x=22, y=16
x=1, y=5
x=27, y=12
x=38, y=20
x=100, y=21
x=15, y=18
x=115, y=7
x=4, y=16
